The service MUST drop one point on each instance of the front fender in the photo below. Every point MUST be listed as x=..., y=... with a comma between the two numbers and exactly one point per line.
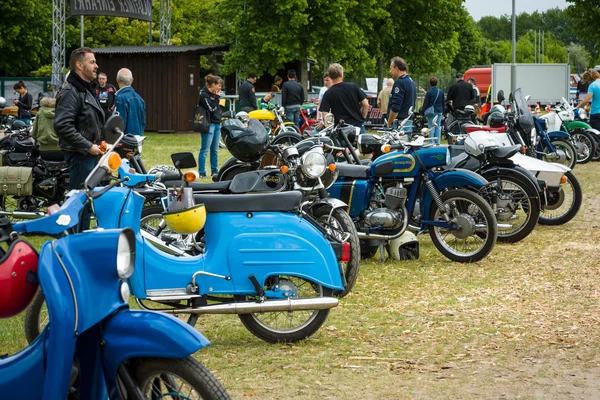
x=558, y=135
x=453, y=178
x=577, y=125
x=328, y=202
x=131, y=334
x=594, y=132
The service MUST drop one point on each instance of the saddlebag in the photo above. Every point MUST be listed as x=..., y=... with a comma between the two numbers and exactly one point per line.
x=16, y=181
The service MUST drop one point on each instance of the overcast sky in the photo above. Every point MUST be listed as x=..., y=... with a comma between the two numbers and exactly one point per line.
x=497, y=8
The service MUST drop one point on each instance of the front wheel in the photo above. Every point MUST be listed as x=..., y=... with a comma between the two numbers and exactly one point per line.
x=562, y=205
x=36, y=317
x=586, y=145
x=474, y=227
x=287, y=138
x=565, y=153
x=339, y=224
x=177, y=378
x=283, y=326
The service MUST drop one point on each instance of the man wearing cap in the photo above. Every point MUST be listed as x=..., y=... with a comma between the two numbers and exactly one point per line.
x=247, y=96
x=461, y=93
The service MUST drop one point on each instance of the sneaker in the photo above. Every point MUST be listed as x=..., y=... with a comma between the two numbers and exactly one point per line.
x=202, y=175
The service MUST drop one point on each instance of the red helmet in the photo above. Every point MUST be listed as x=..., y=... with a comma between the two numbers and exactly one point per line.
x=18, y=278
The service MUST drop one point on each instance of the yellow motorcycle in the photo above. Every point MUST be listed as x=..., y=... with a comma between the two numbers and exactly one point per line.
x=273, y=120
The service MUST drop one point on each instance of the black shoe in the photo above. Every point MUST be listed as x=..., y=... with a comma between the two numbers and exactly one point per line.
x=202, y=175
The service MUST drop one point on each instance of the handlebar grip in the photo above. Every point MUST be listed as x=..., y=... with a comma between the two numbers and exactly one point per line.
x=95, y=179
x=168, y=176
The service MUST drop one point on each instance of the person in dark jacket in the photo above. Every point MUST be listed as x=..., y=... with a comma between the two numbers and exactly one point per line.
x=461, y=93
x=209, y=99
x=292, y=97
x=129, y=104
x=105, y=94
x=247, y=96
x=404, y=93
x=434, y=97
x=24, y=103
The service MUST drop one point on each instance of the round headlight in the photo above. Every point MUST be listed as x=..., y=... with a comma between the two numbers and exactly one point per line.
x=124, y=291
x=126, y=254
x=313, y=163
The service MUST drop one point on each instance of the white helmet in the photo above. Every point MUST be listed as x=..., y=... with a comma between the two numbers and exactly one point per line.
x=243, y=116
x=2, y=102
x=405, y=247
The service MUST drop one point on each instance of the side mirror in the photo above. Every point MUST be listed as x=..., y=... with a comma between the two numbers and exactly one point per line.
x=329, y=119
x=183, y=160
x=113, y=128
x=501, y=96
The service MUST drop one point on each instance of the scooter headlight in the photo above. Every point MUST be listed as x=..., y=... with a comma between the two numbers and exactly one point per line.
x=314, y=163
x=126, y=254
x=124, y=291
x=448, y=155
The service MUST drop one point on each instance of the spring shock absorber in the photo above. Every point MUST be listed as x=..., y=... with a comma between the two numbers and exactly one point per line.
x=436, y=197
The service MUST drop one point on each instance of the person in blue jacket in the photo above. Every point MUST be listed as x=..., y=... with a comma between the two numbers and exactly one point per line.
x=404, y=93
x=129, y=104
x=434, y=98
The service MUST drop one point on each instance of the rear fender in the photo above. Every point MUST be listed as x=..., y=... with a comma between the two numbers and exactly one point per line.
x=577, y=125
x=518, y=173
x=454, y=178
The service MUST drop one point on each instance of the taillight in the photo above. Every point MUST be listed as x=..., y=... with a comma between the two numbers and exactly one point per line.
x=345, y=251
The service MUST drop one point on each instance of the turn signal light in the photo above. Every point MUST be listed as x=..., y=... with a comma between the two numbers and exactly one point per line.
x=345, y=251
x=563, y=179
x=114, y=161
x=190, y=176
x=332, y=167
x=284, y=169
x=386, y=148
x=523, y=150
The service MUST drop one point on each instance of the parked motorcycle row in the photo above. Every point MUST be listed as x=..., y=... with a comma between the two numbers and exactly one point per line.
x=277, y=239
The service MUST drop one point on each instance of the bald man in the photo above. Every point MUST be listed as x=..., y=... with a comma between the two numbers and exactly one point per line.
x=129, y=104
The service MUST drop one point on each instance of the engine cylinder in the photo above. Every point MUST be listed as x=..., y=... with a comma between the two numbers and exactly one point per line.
x=395, y=197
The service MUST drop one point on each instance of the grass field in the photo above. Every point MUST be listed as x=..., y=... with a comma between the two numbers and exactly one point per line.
x=523, y=323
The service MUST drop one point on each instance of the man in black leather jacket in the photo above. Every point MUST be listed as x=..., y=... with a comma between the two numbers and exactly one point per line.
x=79, y=117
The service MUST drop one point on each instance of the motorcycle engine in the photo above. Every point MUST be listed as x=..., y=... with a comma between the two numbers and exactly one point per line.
x=384, y=218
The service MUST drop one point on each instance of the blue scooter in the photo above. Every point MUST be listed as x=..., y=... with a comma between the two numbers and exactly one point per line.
x=262, y=260
x=95, y=346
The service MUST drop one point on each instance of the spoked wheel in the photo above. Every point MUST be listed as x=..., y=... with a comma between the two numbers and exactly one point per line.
x=516, y=204
x=586, y=146
x=36, y=317
x=476, y=227
x=563, y=205
x=596, y=155
x=175, y=378
x=20, y=204
x=565, y=153
x=340, y=226
x=283, y=326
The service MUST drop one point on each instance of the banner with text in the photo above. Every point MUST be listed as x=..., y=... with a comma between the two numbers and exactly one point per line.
x=139, y=9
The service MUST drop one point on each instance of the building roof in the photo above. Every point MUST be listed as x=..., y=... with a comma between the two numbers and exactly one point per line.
x=158, y=49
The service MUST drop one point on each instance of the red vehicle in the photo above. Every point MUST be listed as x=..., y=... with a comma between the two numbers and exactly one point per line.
x=308, y=117
x=483, y=79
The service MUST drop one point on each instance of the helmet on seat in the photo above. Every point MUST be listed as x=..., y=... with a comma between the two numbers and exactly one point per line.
x=128, y=144
x=245, y=142
x=496, y=120
x=187, y=221
x=17, y=125
x=18, y=278
x=2, y=102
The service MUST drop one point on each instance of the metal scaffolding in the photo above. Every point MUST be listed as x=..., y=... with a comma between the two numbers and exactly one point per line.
x=165, y=22
x=58, y=43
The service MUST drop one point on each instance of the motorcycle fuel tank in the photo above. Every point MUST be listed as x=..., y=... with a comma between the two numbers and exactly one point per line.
x=262, y=115
x=402, y=165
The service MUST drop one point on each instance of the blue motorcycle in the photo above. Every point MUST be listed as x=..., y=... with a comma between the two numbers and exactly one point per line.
x=95, y=346
x=261, y=260
x=405, y=187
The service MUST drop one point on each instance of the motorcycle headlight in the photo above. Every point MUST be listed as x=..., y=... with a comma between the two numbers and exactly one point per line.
x=126, y=254
x=313, y=163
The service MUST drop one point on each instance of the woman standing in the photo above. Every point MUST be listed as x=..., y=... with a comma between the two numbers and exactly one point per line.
x=434, y=98
x=276, y=87
x=209, y=99
x=24, y=103
x=593, y=96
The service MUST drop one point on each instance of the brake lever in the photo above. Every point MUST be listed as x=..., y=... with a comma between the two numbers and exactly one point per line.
x=95, y=195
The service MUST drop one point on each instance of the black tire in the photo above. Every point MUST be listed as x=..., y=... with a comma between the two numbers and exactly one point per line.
x=288, y=138
x=261, y=324
x=24, y=203
x=517, y=199
x=554, y=213
x=152, y=374
x=36, y=317
x=584, y=139
x=339, y=226
x=567, y=149
x=596, y=156
x=462, y=203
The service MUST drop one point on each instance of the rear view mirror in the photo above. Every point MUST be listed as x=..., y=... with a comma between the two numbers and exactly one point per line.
x=329, y=118
x=113, y=128
x=183, y=160
x=501, y=96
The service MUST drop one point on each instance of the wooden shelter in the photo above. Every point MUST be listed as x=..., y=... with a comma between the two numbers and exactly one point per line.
x=167, y=77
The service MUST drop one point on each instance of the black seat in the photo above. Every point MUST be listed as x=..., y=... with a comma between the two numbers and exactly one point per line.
x=219, y=187
x=353, y=171
x=456, y=160
x=505, y=152
x=284, y=202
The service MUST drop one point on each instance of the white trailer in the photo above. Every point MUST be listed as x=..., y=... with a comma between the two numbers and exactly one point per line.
x=545, y=83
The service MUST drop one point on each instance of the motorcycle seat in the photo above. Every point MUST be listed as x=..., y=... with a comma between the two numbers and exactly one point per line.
x=473, y=128
x=505, y=152
x=464, y=128
x=283, y=202
x=219, y=187
x=353, y=171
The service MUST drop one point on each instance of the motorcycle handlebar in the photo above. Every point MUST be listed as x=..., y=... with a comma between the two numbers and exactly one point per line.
x=97, y=177
x=164, y=176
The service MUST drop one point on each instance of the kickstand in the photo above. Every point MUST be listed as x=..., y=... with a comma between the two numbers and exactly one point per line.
x=381, y=251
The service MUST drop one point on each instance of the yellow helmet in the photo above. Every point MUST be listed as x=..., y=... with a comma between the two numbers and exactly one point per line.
x=187, y=221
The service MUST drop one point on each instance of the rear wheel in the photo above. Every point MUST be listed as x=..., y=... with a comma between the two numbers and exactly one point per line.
x=563, y=205
x=565, y=153
x=283, y=326
x=475, y=227
x=586, y=145
x=176, y=378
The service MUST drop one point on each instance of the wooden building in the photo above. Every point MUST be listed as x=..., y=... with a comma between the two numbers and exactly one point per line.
x=167, y=77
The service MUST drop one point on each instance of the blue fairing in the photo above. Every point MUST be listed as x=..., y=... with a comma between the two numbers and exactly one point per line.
x=454, y=178
x=22, y=374
x=558, y=135
x=132, y=334
x=134, y=178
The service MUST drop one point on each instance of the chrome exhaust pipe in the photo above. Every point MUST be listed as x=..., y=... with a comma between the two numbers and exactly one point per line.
x=252, y=307
x=24, y=214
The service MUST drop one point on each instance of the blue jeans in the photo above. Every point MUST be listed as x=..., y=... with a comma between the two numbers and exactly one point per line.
x=437, y=131
x=80, y=166
x=292, y=113
x=210, y=141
